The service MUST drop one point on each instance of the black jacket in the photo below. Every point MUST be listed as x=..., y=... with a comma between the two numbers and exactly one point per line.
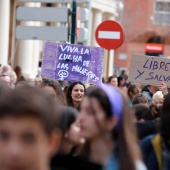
x=69, y=162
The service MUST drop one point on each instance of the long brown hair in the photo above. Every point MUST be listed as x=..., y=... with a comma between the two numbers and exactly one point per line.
x=133, y=88
x=125, y=136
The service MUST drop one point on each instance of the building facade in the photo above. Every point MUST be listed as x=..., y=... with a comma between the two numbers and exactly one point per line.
x=147, y=30
x=28, y=53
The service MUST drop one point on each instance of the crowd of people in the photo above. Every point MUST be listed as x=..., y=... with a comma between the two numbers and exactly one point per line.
x=117, y=125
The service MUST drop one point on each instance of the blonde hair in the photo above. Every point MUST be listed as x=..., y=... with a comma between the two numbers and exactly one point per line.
x=158, y=95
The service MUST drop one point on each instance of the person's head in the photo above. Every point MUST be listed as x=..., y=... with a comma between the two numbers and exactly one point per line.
x=75, y=94
x=6, y=69
x=6, y=79
x=28, y=118
x=69, y=125
x=105, y=114
x=121, y=81
x=91, y=86
x=116, y=73
x=17, y=69
x=13, y=76
x=112, y=80
x=133, y=90
x=125, y=74
x=53, y=88
x=165, y=118
x=157, y=96
x=145, y=112
x=139, y=98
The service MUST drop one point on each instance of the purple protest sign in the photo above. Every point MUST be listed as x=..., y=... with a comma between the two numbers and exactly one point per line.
x=72, y=62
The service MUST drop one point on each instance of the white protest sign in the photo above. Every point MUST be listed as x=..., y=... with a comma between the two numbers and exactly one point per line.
x=149, y=70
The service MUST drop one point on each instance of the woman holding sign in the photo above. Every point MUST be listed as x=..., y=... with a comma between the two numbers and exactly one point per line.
x=75, y=94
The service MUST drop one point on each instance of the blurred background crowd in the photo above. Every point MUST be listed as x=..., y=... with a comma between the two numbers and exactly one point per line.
x=113, y=125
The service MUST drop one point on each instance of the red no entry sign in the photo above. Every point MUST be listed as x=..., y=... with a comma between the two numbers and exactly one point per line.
x=109, y=35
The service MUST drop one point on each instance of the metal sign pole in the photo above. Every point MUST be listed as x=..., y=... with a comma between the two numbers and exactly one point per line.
x=108, y=62
x=73, y=22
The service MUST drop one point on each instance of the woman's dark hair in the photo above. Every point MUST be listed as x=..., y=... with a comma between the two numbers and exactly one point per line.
x=17, y=70
x=110, y=78
x=69, y=100
x=119, y=79
x=125, y=136
x=139, y=98
x=165, y=118
x=133, y=88
x=91, y=86
x=56, y=86
x=123, y=72
x=65, y=89
x=68, y=117
x=146, y=111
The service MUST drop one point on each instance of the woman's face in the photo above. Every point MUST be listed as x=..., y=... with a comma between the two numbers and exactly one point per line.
x=114, y=82
x=122, y=82
x=132, y=95
x=92, y=118
x=77, y=93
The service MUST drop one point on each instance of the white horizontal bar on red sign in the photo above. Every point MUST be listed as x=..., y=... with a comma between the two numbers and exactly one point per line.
x=153, y=47
x=109, y=35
